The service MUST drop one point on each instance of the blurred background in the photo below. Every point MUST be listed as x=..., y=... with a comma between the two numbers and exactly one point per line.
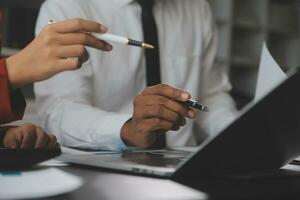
x=243, y=27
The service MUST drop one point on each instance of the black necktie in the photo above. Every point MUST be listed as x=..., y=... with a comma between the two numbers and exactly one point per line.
x=152, y=55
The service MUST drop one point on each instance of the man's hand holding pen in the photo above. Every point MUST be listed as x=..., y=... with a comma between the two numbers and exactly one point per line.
x=157, y=109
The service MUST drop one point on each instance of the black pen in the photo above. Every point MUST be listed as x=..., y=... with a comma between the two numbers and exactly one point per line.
x=195, y=104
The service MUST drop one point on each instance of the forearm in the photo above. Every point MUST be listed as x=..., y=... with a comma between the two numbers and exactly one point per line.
x=17, y=76
x=84, y=126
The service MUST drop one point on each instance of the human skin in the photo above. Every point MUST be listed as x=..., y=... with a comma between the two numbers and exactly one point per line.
x=157, y=110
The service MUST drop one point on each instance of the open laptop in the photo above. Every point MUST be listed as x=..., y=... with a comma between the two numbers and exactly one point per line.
x=266, y=136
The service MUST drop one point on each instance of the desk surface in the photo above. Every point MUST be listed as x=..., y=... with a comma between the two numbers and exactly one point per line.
x=112, y=186
x=108, y=185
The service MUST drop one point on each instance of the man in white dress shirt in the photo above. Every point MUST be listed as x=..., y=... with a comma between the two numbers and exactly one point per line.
x=105, y=105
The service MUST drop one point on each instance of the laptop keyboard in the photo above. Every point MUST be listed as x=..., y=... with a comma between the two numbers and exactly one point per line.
x=149, y=158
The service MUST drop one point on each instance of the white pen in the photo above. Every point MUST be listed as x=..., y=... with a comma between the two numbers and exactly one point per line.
x=117, y=39
x=121, y=40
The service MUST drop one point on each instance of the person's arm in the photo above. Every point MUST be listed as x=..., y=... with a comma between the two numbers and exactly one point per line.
x=12, y=104
x=215, y=85
x=157, y=109
x=65, y=102
x=27, y=136
x=59, y=47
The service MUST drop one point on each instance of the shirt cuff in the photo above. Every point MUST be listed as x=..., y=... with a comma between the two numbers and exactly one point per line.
x=97, y=130
x=114, y=125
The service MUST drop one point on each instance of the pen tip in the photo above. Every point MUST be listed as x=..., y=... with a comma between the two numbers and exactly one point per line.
x=147, y=46
x=205, y=109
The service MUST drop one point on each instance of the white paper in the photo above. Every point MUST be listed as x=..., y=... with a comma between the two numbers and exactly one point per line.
x=66, y=150
x=37, y=184
x=53, y=163
x=270, y=75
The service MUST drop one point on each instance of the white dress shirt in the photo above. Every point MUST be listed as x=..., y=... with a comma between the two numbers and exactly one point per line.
x=87, y=108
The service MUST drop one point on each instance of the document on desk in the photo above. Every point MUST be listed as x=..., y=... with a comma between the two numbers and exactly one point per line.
x=37, y=183
x=270, y=75
x=67, y=150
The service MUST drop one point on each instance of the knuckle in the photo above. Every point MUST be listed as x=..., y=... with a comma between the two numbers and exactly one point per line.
x=163, y=101
x=145, y=91
x=156, y=121
x=159, y=110
x=39, y=129
x=176, y=93
x=40, y=134
x=28, y=127
x=75, y=64
x=77, y=22
x=43, y=138
x=49, y=52
x=160, y=88
x=50, y=39
x=52, y=137
x=72, y=65
x=141, y=128
x=163, y=87
x=136, y=100
x=49, y=28
x=81, y=50
x=178, y=118
x=84, y=38
x=178, y=109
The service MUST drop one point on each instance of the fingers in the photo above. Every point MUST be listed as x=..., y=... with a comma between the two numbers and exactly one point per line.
x=52, y=142
x=74, y=51
x=158, y=109
x=29, y=136
x=13, y=144
x=167, y=91
x=45, y=140
x=69, y=64
x=161, y=112
x=156, y=124
x=11, y=139
x=78, y=25
x=84, y=39
x=42, y=138
x=174, y=106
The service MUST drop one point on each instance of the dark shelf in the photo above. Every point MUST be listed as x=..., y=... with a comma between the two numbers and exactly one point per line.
x=32, y=4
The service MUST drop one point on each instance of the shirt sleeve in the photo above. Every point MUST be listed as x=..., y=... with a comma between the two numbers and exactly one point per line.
x=214, y=86
x=12, y=104
x=65, y=102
